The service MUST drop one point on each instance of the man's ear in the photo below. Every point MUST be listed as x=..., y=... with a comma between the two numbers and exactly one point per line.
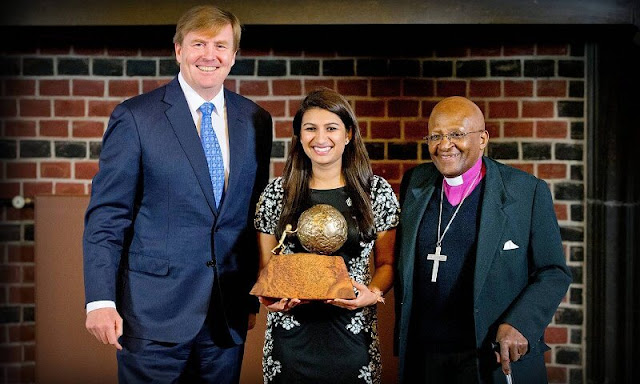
x=484, y=136
x=178, y=50
x=233, y=61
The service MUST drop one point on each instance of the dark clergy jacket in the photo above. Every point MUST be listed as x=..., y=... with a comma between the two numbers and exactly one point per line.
x=522, y=287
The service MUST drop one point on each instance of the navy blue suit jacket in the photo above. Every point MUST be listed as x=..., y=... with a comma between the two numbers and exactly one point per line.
x=154, y=241
x=522, y=287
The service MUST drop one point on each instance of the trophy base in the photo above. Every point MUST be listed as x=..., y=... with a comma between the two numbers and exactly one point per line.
x=305, y=276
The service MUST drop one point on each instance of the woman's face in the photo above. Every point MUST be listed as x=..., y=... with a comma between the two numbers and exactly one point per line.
x=323, y=137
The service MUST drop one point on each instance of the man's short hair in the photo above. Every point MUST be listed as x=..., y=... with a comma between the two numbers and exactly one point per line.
x=207, y=18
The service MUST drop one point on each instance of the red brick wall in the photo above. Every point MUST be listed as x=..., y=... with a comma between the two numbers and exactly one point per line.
x=55, y=103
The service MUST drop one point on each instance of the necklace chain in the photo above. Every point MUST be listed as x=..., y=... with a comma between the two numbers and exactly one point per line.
x=440, y=237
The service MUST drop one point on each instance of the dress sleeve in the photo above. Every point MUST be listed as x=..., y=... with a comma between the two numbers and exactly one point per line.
x=386, y=209
x=269, y=207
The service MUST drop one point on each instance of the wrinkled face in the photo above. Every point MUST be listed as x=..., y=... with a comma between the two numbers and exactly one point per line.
x=206, y=60
x=323, y=136
x=453, y=157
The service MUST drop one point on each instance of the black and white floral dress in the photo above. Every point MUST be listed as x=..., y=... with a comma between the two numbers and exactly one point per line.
x=317, y=342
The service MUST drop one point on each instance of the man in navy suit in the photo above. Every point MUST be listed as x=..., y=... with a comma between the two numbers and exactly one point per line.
x=168, y=269
x=480, y=266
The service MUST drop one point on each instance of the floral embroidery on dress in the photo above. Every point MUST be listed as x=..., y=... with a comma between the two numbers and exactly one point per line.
x=282, y=319
x=357, y=323
x=270, y=367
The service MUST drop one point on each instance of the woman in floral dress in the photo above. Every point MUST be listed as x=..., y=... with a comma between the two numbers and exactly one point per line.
x=332, y=341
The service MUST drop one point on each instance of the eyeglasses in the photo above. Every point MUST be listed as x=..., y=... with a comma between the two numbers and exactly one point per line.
x=451, y=136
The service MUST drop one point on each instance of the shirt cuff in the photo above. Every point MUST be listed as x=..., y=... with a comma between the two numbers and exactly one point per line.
x=100, y=304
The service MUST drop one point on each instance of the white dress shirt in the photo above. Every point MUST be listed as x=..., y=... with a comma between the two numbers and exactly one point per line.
x=218, y=119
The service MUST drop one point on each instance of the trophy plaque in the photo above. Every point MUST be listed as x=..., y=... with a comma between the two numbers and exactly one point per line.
x=317, y=275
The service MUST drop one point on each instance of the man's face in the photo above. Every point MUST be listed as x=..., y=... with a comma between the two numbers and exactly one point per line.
x=206, y=60
x=453, y=157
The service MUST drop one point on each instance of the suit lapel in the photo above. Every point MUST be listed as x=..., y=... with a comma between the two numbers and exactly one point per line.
x=492, y=224
x=418, y=197
x=416, y=201
x=182, y=123
x=237, y=142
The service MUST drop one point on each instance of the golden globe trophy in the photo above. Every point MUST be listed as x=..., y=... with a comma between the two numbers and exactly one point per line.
x=322, y=230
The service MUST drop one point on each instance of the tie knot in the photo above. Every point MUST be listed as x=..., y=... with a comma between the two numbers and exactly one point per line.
x=206, y=109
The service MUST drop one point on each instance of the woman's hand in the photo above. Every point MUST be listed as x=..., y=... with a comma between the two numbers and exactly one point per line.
x=280, y=305
x=366, y=297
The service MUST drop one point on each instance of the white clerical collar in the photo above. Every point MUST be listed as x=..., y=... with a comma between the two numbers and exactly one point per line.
x=195, y=101
x=454, y=181
x=466, y=176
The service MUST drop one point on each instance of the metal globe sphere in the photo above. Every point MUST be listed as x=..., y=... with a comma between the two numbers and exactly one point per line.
x=322, y=229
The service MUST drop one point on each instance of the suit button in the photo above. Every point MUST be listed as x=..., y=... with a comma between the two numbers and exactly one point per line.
x=211, y=263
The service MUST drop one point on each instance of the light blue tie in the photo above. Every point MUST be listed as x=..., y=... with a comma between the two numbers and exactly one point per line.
x=212, y=152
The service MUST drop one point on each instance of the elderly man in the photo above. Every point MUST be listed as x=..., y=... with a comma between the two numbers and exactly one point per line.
x=169, y=248
x=480, y=269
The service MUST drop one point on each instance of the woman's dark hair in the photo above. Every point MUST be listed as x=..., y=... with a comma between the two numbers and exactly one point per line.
x=356, y=168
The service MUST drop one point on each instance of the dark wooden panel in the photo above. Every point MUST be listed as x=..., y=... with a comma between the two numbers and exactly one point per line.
x=613, y=214
x=65, y=352
x=166, y=12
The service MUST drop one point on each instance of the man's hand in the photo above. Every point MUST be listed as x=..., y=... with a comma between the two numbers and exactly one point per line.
x=105, y=324
x=512, y=346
